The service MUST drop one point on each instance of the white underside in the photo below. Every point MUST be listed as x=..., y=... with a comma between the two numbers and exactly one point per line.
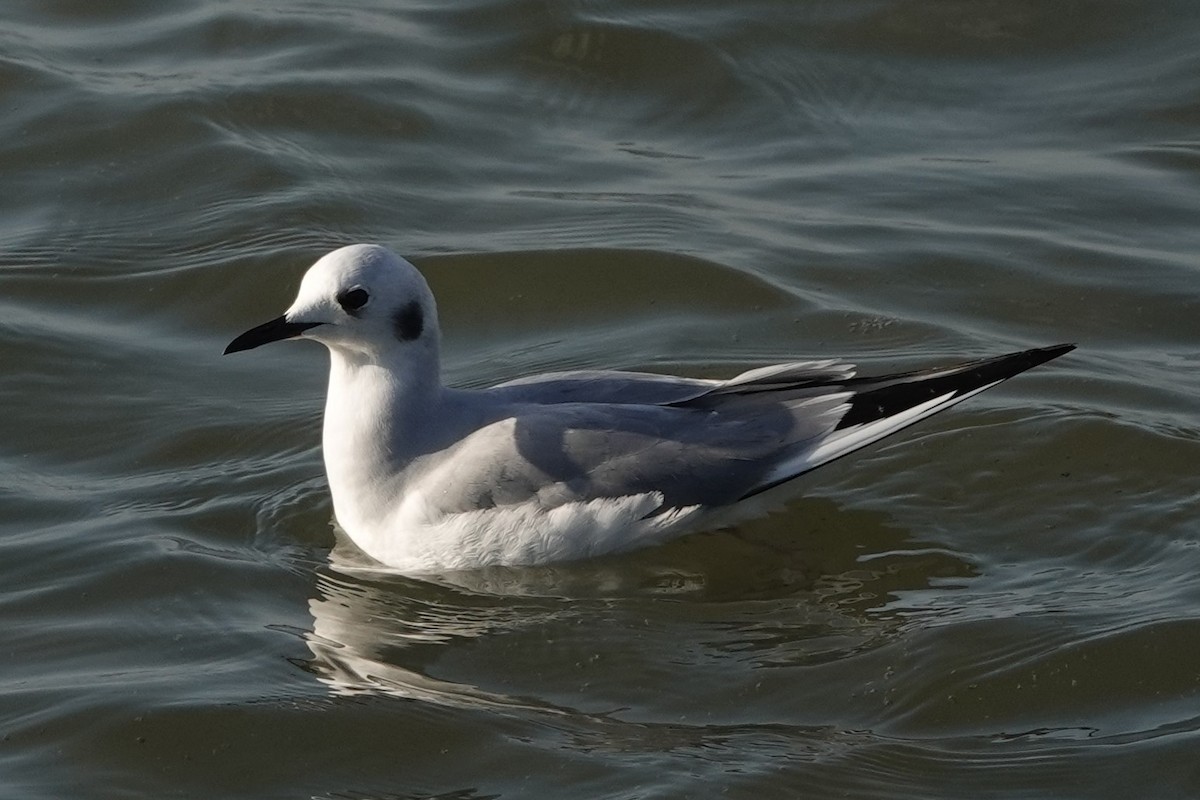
x=414, y=539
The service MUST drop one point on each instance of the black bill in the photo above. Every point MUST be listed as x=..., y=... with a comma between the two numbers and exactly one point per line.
x=273, y=331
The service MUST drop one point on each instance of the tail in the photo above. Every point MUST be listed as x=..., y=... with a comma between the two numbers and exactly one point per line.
x=880, y=406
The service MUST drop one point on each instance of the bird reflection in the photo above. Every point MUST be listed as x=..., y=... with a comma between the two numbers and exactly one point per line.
x=762, y=595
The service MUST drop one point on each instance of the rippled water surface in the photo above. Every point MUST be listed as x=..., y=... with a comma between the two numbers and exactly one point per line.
x=1002, y=602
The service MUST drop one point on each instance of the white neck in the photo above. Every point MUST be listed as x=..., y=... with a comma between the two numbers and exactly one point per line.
x=376, y=413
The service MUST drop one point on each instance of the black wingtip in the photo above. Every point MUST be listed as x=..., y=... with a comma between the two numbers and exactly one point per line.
x=893, y=394
x=1044, y=354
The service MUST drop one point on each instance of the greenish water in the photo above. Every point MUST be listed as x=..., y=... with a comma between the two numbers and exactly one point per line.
x=1000, y=603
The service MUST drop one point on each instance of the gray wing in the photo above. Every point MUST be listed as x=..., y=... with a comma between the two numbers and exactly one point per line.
x=645, y=388
x=566, y=452
x=705, y=443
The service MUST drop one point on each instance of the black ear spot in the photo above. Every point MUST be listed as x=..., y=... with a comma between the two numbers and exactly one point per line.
x=409, y=321
x=353, y=299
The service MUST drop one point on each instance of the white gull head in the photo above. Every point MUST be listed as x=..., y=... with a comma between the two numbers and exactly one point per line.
x=363, y=302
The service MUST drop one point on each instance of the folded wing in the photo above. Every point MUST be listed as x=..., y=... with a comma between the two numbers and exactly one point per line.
x=586, y=435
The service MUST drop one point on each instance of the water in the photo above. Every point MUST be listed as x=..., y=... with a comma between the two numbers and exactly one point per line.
x=1001, y=603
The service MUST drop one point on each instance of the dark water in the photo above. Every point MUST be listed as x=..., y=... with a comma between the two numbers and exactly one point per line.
x=1002, y=603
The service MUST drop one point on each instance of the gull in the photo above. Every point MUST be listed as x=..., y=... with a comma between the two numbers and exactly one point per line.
x=566, y=465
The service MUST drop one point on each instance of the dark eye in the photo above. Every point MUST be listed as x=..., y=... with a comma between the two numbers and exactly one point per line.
x=353, y=299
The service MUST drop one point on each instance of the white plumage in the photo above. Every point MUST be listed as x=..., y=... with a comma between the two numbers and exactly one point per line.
x=567, y=465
